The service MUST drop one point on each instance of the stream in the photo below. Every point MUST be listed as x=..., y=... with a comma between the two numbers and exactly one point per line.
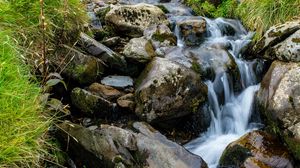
x=230, y=119
x=230, y=110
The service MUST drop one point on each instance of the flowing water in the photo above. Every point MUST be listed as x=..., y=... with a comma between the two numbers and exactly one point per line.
x=230, y=118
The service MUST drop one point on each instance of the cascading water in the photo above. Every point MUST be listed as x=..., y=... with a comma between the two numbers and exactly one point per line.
x=230, y=118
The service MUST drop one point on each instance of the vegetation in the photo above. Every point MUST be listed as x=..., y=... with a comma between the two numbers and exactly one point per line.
x=22, y=39
x=260, y=15
x=257, y=15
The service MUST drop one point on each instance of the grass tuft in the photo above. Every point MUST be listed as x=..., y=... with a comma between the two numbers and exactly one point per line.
x=23, y=132
x=260, y=15
x=20, y=114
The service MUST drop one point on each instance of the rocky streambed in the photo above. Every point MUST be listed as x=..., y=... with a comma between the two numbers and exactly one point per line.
x=151, y=85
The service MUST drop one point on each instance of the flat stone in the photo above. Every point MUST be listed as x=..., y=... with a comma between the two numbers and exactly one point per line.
x=118, y=81
x=104, y=91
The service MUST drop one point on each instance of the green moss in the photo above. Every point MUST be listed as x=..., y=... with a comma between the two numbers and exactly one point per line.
x=102, y=12
x=234, y=156
x=293, y=146
x=163, y=8
x=196, y=67
x=195, y=105
x=296, y=40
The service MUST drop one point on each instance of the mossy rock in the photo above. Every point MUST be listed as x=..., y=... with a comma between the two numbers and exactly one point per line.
x=167, y=90
x=256, y=149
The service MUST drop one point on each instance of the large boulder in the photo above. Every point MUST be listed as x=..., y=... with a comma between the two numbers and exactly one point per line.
x=275, y=35
x=287, y=50
x=256, y=149
x=78, y=66
x=132, y=20
x=279, y=102
x=167, y=90
x=112, y=146
x=109, y=57
x=139, y=50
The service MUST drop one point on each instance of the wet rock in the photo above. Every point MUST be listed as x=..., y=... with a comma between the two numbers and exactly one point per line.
x=132, y=20
x=256, y=149
x=177, y=9
x=90, y=104
x=193, y=30
x=80, y=67
x=127, y=101
x=160, y=33
x=287, y=50
x=121, y=82
x=106, y=92
x=109, y=57
x=167, y=90
x=139, y=50
x=275, y=35
x=207, y=61
x=279, y=102
x=112, y=146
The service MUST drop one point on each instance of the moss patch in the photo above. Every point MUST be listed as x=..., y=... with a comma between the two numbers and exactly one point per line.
x=234, y=156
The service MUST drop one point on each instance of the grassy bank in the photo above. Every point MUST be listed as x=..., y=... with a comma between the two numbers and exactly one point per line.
x=256, y=15
x=23, y=125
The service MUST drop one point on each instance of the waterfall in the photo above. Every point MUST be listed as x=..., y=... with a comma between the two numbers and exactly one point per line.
x=230, y=119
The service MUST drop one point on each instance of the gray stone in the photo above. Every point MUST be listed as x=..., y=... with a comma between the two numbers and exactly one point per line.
x=193, y=30
x=139, y=50
x=275, y=35
x=80, y=67
x=287, y=50
x=112, y=146
x=132, y=20
x=279, y=101
x=89, y=103
x=118, y=81
x=109, y=57
x=160, y=33
x=167, y=90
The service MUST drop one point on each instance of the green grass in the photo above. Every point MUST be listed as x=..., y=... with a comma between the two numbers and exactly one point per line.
x=260, y=15
x=256, y=15
x=23, y=131
x=20, y=114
